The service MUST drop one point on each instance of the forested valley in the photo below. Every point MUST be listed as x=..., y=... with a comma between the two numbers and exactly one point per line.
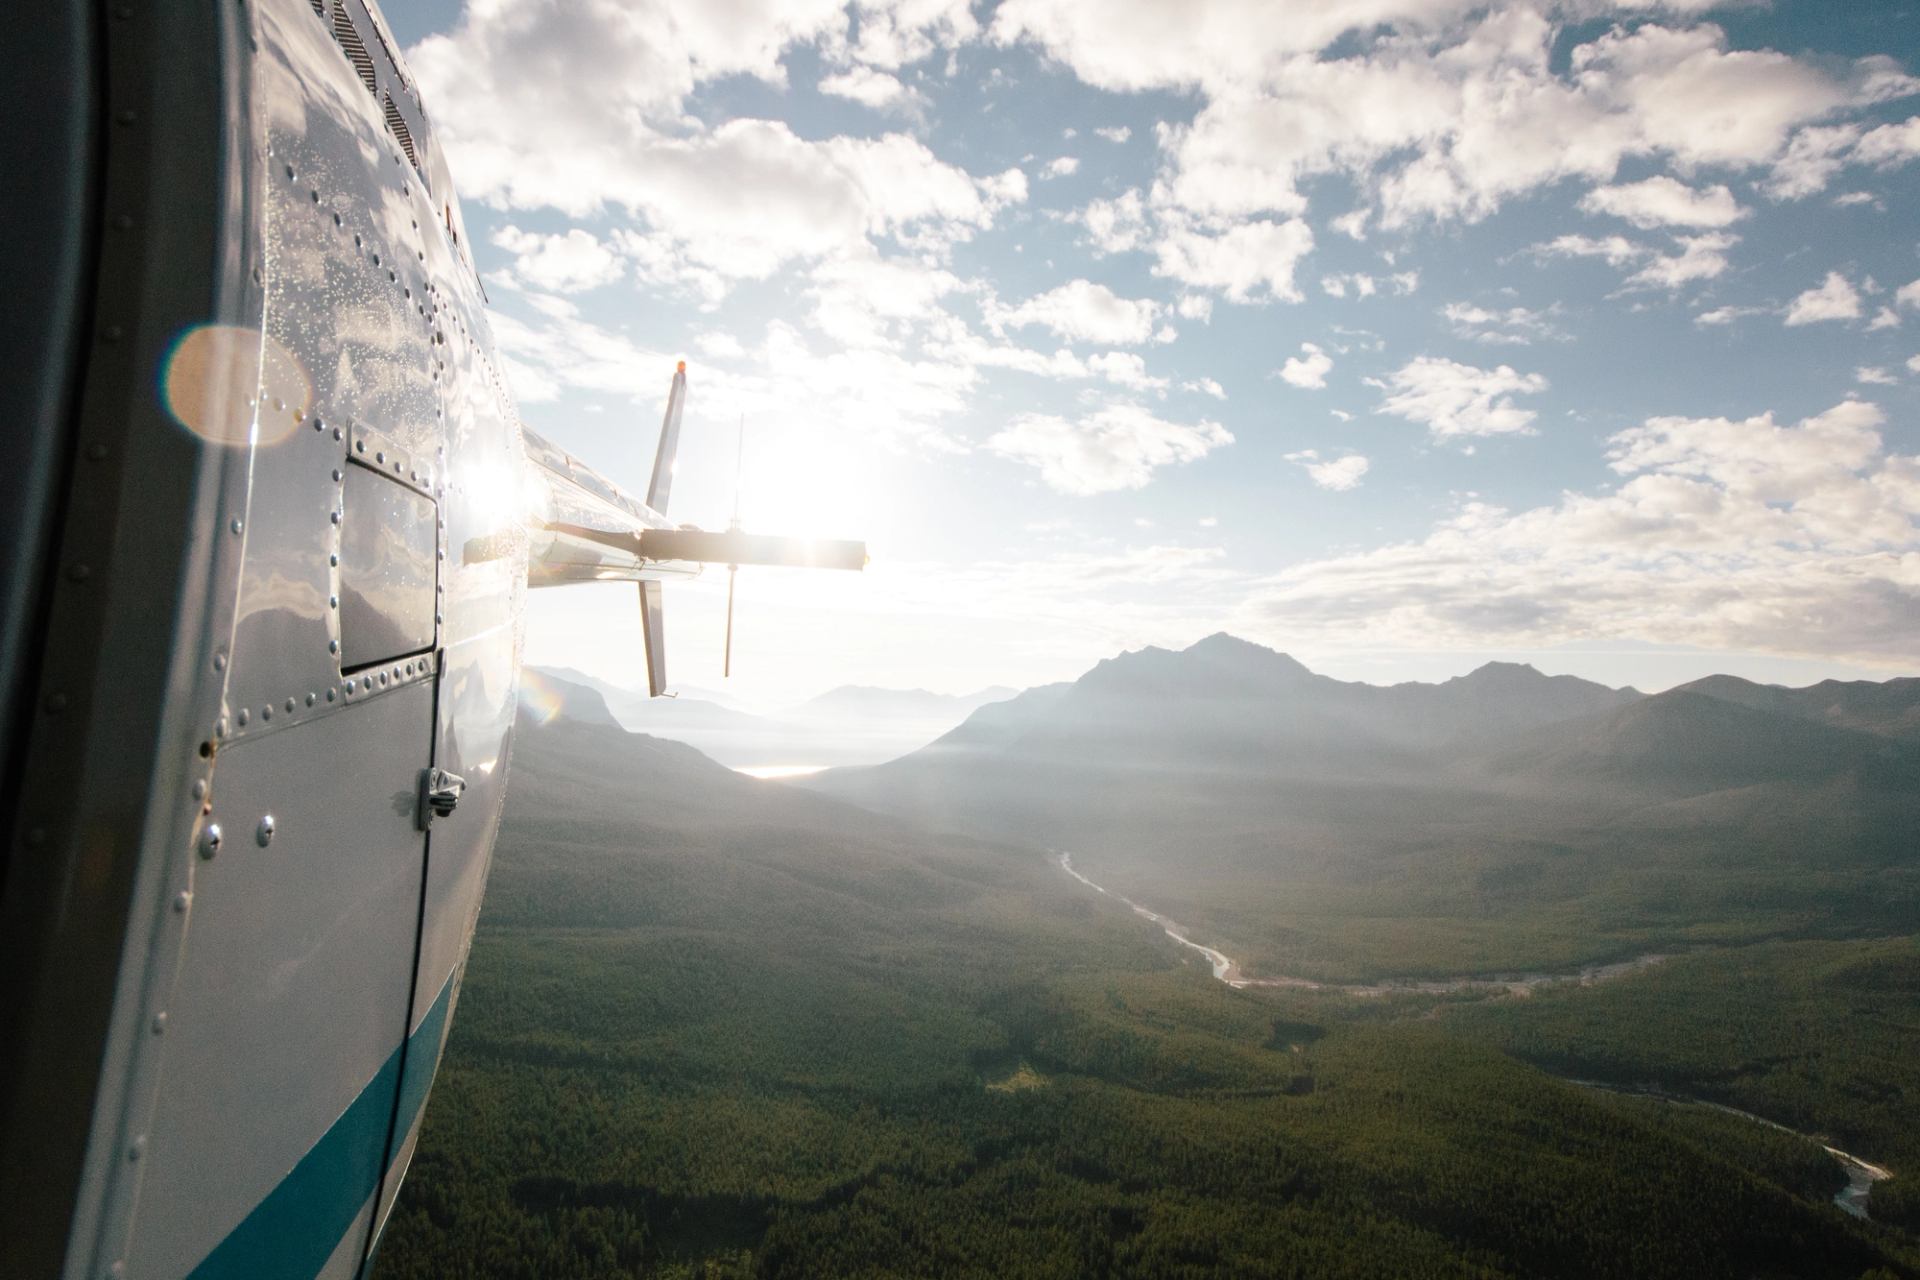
x=718, y=1027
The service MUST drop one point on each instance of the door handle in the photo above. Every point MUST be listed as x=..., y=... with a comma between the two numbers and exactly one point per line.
x=440, y=791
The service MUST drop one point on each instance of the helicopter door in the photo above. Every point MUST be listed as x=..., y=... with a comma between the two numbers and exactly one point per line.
x=286, y=1027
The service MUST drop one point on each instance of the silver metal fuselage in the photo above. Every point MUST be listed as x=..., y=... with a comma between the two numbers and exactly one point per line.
x=283, y=566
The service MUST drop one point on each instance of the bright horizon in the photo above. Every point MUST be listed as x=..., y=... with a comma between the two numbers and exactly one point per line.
x=1586, y=336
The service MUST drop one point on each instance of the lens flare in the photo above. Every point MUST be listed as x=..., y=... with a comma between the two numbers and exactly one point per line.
x=219, y=380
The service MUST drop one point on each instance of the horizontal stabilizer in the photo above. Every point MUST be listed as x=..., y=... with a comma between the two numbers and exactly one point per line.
x=733, y=547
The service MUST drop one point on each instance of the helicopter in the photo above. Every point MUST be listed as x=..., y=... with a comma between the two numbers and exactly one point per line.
x=271, y=520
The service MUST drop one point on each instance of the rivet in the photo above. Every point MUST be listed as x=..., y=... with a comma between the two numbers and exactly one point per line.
x=310, y=699
x=437, y=619
x=329, y=695
x=315, y=195
x=257, y=278
x=319, y=425
x=376, y=259
x=220, y=729
x=333, y=602
x=289, y=173
x=334, y=516
x=79, y=573
x=383, y=678
x=266, y=713
x=289, y=704
x=336, y=219
x=236, y=524
x=333, y=646
x=336, y=433
x=334, y=560
x=210, y=840
x=123, y=221
x=56, y=703
x=359, y=446
x=160, y=1023
x=409, y=668
x=380, y=457
x=136, y=1148
x=279, y=405
x=96, y=452
x=241, y=719
x=181, y=901
x=336, y=475
x=263, y=834
x=199, y=789
x=219, y=662
x=35, y=837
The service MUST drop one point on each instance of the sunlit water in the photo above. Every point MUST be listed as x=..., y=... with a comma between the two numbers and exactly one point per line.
x=767, y=771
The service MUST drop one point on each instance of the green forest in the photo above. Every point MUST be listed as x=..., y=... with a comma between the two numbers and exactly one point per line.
x=714, y=1027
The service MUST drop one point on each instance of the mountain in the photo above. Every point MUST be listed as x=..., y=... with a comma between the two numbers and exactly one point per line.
x=1502, y=819
x=1688, y=742
x=546, y=699
x=1890, y=708
x=871, y=702
x=851, y=725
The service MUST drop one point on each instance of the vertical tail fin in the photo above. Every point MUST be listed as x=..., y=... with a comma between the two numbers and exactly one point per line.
x=661, y=486
x=653, y=626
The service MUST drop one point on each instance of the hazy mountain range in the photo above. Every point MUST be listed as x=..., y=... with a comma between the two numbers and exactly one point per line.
x=850, y=725
x=1493, y=818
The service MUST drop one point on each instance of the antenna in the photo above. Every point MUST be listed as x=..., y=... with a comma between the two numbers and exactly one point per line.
x=733, y=570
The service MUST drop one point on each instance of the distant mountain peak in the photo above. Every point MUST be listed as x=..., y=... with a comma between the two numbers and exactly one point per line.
x=1504, y=671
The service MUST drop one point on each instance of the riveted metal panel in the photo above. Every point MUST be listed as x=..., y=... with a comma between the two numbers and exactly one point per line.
x=292, y=993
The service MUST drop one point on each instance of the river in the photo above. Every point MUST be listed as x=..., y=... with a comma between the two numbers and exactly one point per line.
x=1861, y=1175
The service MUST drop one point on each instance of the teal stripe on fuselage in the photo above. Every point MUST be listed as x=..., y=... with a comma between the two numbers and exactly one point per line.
x=291, y=1234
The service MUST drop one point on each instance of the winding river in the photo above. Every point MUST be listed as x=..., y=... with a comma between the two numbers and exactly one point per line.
x=1861, y=1175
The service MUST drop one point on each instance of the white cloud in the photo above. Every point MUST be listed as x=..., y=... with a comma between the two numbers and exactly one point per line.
x=1362, y=285
x=1908, y=295
x=1339, y=474
x=1810, y=161
x=572, y=262
x=1206, y=386
x=1702, y=257
x=1060, y=167
x=1874, y=375
x=1241, y=261
x=1726, y=315
x=1116, y=133
x=1082, y=311
x=1731, y=535
x=1514, y=326
x=1124, y=369
x=1884, y=318
x=1116, y=225
x=1913, y=364
x=1353, y=223
x=1617, y=250
x=579, y=108
x=870, y=88
x=1834, y=298
x=1441, y=118
x=1195, y=306
x=1308, y=370
x=1890, y=144
x=1455, y=400
x=1116, y=447
x=1663, y=201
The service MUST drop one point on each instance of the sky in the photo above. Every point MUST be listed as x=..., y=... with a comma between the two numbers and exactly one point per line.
x=1400, y=335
